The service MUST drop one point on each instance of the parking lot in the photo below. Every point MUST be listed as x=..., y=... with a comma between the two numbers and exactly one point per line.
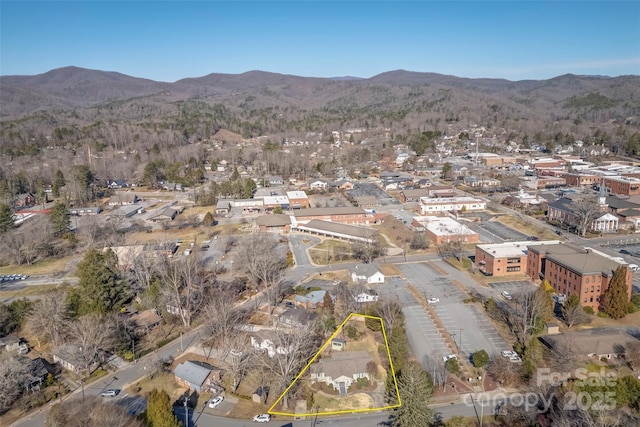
x=361, y=189
x=467, y=325
x=502, y=231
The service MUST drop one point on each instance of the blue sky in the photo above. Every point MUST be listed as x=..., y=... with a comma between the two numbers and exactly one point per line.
x=167, y=41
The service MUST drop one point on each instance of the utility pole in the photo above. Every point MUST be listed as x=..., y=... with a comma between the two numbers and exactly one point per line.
x=82, y=385
x=186, y=413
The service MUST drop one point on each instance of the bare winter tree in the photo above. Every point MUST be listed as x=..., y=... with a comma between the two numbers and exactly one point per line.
x=13, y=376
x=390, y=312
x=503, y=371
x=92, y=334
x=239, y=358
x=90, y=412
x=370, y=250
x=183, y=281
x=49, y=318
x=264, y=263
x=221, y=319
x=295, y=347
x=436, y=369
x=584, y=212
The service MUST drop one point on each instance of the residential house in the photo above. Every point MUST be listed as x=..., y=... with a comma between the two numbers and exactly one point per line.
x=297, y=317
x=341, y=369
x=197, y=376
x=165, y=215
x=312, y=300
x=368, y=295
x=223, y=207
x=367, y=273
x=39, y=369
x=126, y=255
x=116, y=184
x=266, y=342
x=25, y=200
x=595, y=150
x=90, y=211
x=143, y=322
x=123, y=199
x=318, y=185
x=412, y=195
x=10, y=343
x=274, y=181
x=70, y=358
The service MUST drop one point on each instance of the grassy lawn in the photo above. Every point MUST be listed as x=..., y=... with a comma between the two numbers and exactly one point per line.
x=163, y=381
x=466, y=263
x=328, y=403
x=47, y=266
x=330, y=250
x=389, y=270
x=601, y=322
x=527, y=228
x=28, y=291
x=187, y=235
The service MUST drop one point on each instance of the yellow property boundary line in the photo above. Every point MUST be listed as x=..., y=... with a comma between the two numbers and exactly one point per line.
x=348, y=411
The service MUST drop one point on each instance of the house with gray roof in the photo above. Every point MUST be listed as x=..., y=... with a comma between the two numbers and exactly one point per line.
x=314, y=299
x=341, y=370
x=594, y=343
x=367, y=273
x=197, y=376
x=297, y=317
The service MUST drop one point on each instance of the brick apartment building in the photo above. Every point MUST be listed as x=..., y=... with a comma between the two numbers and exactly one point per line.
x=504, y=259
x=624, y=185
x=575, y=270
x=343, y=215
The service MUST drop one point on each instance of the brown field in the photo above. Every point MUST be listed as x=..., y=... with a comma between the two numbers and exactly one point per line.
x=47, y=266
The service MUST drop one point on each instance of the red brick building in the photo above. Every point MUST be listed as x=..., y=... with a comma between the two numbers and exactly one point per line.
x=627, y=186
x=575, y=270
x=581, y=180
x=504, y=259
x=345, y=215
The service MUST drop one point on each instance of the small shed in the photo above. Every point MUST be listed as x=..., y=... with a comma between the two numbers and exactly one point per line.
x=260, y=395
x=552, y=328
x=338, y=344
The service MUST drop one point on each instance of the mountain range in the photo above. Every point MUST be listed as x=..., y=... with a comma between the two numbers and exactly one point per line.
x=399, y=96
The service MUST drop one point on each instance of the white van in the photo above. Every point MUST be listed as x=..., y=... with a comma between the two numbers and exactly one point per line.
x=634, y=267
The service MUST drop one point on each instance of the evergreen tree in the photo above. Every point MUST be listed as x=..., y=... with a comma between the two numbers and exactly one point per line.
x=101, y=288
x=327, y=302
x=416, y=389
x=480, y=359
x=58, y=183
x=159, y=410
x=208, y=219
x=60, y=219
x=616, y=297
x=6, y=218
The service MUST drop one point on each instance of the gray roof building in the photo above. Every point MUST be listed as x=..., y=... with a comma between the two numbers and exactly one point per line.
x=195, y=374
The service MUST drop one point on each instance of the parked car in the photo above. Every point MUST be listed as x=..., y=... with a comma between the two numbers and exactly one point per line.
x=449, y=357
x=289, y=304
x=515, y=359
x=110, y=393
x=262, y=418
x=433, y=300
x=215, y=402
x=506, y=295
x=634, y=267
x=509, y=353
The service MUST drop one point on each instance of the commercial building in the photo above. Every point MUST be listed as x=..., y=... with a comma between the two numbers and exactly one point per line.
x=504, y=259
x=575, y=270
x=431, y=205
x=442, y=229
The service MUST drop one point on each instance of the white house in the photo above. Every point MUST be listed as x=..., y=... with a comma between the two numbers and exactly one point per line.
x=368, y=273
x=318, y=185
x=367, y=296
x=263, y=341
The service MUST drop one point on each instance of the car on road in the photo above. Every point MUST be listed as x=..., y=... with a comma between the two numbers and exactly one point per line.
x=205, y=246
x=625, y=252
x=110, y=393
x=433, y=300
x=533, y=238
x=262, y=418
x=634, y=267
x=559, y=233
x=215, y=402
x=449, y=357
x=506, y=295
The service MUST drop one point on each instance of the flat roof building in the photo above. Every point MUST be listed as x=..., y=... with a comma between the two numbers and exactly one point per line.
x=504, y=259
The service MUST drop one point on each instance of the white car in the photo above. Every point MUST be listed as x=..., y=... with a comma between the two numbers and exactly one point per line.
x=449, y=357
x=515, y=359
x=433, y=300
x=110, y=393
x=262, y=418
x=215, y=402
x=509, y=353
x=506, y=295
